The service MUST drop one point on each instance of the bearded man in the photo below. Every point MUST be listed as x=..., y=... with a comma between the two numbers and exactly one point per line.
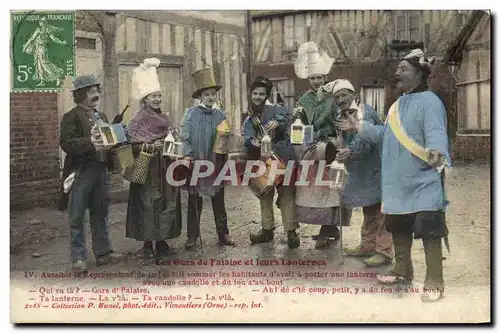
x=274, y=119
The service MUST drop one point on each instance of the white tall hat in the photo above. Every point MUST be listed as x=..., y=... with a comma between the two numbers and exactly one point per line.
x=145, y=79
x=310, y=61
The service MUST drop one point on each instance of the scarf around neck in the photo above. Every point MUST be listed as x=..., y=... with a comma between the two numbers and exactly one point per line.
x=148, y=126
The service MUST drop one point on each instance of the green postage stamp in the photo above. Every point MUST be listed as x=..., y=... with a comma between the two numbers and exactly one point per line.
x=42, y=50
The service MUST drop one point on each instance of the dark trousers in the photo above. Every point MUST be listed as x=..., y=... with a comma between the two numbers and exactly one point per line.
x=195, y=206
x=89, y=191
x=430, y=226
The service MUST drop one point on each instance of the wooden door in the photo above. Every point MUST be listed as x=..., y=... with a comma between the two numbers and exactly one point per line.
x=88, y=61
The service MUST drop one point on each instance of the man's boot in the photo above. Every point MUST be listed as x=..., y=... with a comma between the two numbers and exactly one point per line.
x=110, y=258
x=163, y=249
x=293, y=239
x=79, y=266
x=377, y=260
x=192, y=243
x=359, y=251
x=226, y=240
x=147, y=250
x=263, y=236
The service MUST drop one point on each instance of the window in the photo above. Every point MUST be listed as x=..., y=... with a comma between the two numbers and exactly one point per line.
x=408, y=26
x=287, y=90
x=86, y=43
x=474, y=100
x=413, y=28
x=288, y=32
x=294, y=32
x=374, y=97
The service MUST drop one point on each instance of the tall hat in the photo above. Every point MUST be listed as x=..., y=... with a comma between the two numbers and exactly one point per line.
x=145, y=79
x=310, y=61
x=204, y=79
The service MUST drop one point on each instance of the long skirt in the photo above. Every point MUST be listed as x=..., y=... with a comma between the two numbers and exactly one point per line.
x=317, y=204
x=154, y=209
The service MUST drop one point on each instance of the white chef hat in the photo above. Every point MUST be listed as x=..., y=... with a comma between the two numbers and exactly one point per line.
x=145, y=79
x=310, y=61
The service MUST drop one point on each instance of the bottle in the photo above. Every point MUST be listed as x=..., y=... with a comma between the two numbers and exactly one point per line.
x=297, y=132
x=98, y=120
x=265, y=146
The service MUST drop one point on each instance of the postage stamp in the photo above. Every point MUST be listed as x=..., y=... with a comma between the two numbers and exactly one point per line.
x=42, y=49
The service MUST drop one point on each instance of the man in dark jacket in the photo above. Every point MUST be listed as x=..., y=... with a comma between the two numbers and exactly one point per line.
x=88, y=158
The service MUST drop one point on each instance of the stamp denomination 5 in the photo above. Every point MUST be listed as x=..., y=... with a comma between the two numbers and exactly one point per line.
x=43, y=50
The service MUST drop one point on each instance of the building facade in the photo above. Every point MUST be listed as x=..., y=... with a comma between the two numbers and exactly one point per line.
x=367, y=45
x=469, y=59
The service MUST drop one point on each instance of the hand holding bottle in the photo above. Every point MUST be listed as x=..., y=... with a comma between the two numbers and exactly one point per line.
x=297, y=111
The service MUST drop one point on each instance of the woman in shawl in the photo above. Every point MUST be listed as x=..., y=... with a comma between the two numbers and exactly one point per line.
x=154, y=209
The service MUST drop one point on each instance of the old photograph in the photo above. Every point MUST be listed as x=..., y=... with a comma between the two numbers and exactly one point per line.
x=250, y=166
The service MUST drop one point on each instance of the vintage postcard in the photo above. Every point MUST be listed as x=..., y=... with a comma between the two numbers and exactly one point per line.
x=251, y=166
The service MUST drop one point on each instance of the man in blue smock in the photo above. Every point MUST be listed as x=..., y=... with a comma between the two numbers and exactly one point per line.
x=413, y=195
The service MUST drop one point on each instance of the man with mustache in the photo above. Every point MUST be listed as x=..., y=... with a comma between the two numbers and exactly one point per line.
x=414, y=154
x=274, y=119
x=362, y=160
x=88, y=157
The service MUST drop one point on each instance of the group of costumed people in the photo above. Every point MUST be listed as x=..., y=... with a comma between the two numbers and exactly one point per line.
x=321, y=106
x=395, y=169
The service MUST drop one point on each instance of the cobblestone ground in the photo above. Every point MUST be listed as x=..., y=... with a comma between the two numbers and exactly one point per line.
x=39, y=239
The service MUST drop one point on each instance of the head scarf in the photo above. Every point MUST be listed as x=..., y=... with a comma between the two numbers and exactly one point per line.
x=337, y=85
x=418, y=60
x=334, y=86
x=417, y=57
